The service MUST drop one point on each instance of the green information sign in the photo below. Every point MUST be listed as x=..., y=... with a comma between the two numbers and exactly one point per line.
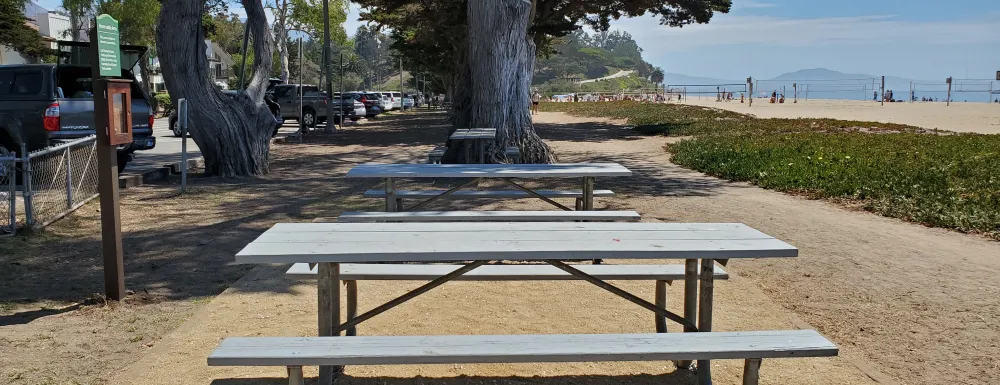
x=108, y=50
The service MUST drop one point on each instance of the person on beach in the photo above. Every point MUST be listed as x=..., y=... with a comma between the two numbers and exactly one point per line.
x=535, y=99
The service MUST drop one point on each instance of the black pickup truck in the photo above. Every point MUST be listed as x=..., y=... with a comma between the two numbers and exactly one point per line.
x=44, y=104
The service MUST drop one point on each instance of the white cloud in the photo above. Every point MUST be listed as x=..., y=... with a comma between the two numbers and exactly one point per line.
x=753, y=4
x=784, y=32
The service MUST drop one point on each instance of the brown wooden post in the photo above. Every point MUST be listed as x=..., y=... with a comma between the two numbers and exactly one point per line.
x=113, y=125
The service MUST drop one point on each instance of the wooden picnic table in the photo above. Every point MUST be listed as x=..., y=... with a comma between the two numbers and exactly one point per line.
x=588, y=172
x=474, y=138
x=330, y=244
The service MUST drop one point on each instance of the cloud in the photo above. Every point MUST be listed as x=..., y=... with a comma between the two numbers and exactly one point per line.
x=752, y=4
x=725, y=30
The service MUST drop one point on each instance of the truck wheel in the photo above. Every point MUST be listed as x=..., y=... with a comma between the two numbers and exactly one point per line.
x=309, y=118
x=123, y=159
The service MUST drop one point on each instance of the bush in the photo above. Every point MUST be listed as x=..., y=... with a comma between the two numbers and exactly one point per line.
x=163, y=103
x=935, y=178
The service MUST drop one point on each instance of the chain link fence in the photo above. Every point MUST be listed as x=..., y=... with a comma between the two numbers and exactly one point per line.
x=8, y=192
x=60, y=179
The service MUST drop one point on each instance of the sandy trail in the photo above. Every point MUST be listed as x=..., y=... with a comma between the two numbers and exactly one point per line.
x=916, y=304
x=962, y=117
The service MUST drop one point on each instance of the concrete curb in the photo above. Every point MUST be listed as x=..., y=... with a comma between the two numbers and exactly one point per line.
x=156, y=173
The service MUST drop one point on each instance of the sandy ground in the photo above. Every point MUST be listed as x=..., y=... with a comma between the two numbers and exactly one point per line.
x=962, y=117
x=907, y=304
x=265, y=303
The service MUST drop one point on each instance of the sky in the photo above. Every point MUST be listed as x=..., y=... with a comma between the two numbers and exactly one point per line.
x=915, y=39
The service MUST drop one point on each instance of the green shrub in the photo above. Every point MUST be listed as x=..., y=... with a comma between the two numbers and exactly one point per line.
x=163, y=102
x=938, y=179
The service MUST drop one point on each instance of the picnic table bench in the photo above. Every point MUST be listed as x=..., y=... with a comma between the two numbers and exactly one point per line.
x=588, y=172
x=295, y=352
x=484, y=216
x=550, y=243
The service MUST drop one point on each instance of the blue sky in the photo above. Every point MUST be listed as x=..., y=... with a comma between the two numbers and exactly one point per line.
x=917, y=39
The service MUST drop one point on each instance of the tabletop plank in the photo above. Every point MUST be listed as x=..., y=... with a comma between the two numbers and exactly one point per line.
x=557, y=170
x=348, y=242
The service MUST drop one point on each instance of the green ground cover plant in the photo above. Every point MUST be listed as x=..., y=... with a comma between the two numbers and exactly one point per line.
x=940, y=179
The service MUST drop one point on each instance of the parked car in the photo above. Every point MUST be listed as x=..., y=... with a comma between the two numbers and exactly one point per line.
x=314, y=103
x=271, y=105
x=397, y=100
x=373, y=102
x=407, y=102
x=54, y=102
x=386, y=101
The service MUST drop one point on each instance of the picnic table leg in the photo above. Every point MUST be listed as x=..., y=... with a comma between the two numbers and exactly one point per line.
x=690, y=301
x=661, y=301
x=390, y=195
x=467, y=150
x=705, y=315
x=482, y=152
x=588, y=200
x=352, y=305
x=329, y=312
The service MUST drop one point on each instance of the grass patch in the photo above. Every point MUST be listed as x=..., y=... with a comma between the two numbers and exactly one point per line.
x=940, y=179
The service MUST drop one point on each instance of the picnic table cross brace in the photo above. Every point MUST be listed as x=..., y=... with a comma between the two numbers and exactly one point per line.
x=351, y=323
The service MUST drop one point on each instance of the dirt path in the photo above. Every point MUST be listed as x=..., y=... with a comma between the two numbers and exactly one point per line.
x=921, y=303
x=918, y=303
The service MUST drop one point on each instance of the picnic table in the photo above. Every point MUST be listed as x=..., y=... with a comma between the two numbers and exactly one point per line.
x=476, y=244
x=474, y=139
x=588, y=172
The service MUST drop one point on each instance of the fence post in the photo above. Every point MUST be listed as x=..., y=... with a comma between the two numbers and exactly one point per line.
x=12, y=190
x=69, y=179
x=29, y=209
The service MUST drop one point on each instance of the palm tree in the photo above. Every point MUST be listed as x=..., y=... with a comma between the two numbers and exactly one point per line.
x=656, y=76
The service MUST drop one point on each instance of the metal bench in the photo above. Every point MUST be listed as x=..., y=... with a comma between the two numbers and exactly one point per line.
x=434, y=157
x=483, y=216
x=474, y=194
x=295, y=352
x=350, y=273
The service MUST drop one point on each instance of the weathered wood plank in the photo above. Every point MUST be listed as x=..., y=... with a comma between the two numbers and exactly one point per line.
x=402, y=350
x=470, y=194
x=558, y=170
x=413, y=272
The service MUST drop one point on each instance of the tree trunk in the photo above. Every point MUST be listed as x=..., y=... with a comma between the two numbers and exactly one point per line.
x=282, y=41
x=146, y=76
x=233, y=133
x=497, y=85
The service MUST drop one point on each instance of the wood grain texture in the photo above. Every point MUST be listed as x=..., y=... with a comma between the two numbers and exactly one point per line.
x=556, y=170
x=413, y=272
x=479, y=216
x=389, y=242
x=487, y=193
x=402, y=350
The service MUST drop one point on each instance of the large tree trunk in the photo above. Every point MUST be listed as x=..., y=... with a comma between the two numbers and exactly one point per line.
x=497, y=86
x=233, y=133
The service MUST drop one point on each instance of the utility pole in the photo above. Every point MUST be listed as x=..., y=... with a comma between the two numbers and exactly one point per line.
x=948, y=80
x=327, y=63
x=400, y=75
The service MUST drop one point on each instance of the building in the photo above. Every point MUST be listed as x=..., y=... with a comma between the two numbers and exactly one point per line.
x=219, y=63
x=51, y=25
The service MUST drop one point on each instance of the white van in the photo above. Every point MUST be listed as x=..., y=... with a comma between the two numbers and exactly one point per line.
x=397, y=100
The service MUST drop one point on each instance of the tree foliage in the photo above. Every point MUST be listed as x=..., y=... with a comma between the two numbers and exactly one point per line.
x=16, y=34
x=430, y=34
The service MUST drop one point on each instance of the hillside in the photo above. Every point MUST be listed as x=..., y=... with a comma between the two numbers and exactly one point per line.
x=608, y=61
